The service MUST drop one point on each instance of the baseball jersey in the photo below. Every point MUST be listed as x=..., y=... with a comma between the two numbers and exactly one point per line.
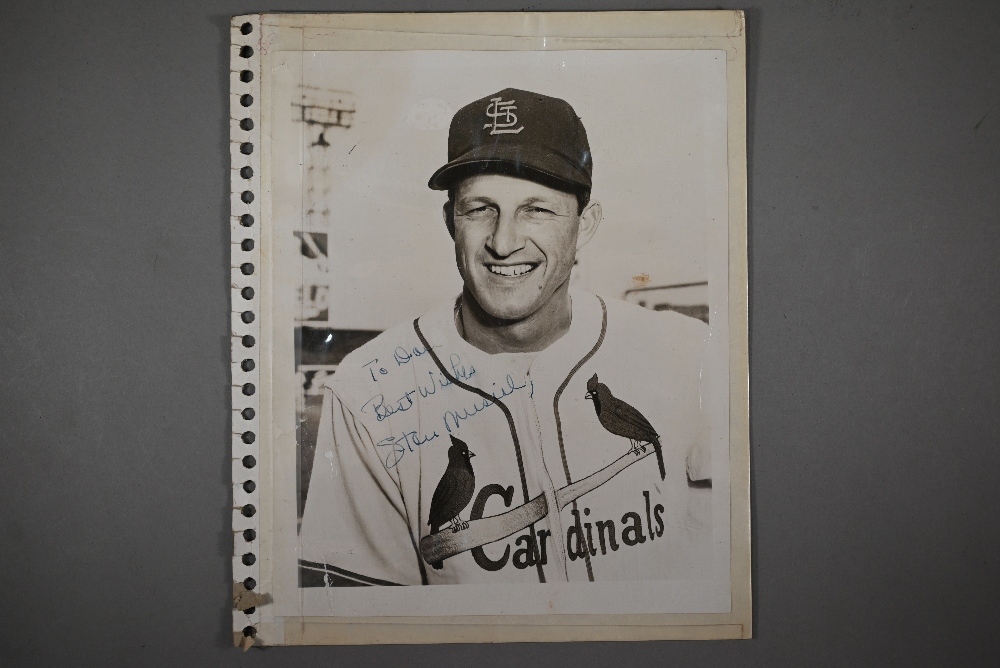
x=558, y=495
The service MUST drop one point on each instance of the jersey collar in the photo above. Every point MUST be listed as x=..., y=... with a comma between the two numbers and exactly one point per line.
x=439, y=328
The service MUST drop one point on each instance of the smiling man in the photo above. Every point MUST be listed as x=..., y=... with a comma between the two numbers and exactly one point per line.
x=515, y=245
x=583, y=414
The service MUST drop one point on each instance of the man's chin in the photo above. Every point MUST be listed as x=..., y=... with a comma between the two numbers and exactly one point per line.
x=507, y=309
x=509, y=313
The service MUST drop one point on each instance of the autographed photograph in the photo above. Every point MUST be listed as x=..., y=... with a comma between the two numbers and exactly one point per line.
x=500, y=330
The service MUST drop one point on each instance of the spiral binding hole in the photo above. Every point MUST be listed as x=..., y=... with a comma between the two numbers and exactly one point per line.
x=246, y=148
x=246, y=268
x=246, y=220
x=247, y=317
x=248, y=437
x=248, y=341
x=247, y=365
x=249, y=389
x=246, y=76
x=249, y=486
x=250, y=632
x=246, y=99
x=247, y=413
x=247, y=172
x=248, y=510
x=246, y=124
x=249, y=462
x=247, y=292
x=249, y=611
x=246, y=51
x=246, y=28
x=247, y=245
x=246, y=196
x=249, y=559
x=249, y=535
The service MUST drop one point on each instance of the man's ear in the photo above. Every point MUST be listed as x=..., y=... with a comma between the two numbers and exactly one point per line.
x=590, y=219
x=449, y=217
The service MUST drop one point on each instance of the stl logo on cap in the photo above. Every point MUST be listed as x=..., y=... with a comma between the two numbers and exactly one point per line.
x=554, y=148
x=496, y=109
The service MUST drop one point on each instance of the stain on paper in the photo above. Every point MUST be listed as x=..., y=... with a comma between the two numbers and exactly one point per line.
x=640, y=281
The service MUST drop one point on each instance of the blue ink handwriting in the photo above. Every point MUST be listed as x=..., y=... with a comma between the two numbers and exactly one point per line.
x=458, y=370
x=384, y=410
x=404, y=355
x=382, y=371
x=400, y=445
x=453, y=418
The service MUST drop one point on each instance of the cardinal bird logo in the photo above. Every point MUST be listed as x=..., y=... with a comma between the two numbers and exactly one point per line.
x=623, y=420
x=454, y=490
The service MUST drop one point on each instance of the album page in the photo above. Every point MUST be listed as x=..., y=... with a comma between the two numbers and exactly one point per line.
x=489, y=328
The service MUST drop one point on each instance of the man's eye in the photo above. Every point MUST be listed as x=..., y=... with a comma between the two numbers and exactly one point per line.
x=477, y=210
x=538, y=209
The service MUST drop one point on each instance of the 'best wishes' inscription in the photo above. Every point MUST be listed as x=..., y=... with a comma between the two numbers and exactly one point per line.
x=383, y=407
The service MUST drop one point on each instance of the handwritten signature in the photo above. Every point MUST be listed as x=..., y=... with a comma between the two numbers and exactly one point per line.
x=452, y=419
x=456, y=417
x=400, y=445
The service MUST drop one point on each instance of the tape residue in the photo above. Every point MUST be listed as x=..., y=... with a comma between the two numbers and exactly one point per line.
x=244, y=599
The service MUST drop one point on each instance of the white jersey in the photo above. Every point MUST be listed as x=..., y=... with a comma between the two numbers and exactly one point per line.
x=557, y=496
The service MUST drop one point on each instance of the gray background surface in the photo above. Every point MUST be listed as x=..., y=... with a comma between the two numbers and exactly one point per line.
x=874, y=144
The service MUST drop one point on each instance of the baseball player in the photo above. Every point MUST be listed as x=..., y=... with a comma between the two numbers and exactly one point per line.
x=522, y=432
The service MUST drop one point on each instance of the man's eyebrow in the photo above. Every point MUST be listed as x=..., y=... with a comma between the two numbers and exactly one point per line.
x=537, y=199
x=482, y=199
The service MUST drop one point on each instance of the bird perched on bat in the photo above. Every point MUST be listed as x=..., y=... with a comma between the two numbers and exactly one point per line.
x=623, y=420
x=454, y=490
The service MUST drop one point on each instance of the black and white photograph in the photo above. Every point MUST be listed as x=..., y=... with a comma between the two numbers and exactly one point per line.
x=501, y=334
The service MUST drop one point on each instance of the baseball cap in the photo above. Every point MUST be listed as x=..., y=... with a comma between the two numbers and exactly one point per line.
x=519, y=133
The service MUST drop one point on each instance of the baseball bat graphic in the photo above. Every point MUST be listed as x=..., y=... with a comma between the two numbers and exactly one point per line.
x=440, y=546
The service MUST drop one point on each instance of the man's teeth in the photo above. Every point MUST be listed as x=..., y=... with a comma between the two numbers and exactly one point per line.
x=510, y=270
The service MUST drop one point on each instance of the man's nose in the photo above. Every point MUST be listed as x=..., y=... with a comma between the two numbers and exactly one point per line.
x=506, y=237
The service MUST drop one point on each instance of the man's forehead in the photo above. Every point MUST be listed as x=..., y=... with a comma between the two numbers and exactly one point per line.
x=499, y=187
